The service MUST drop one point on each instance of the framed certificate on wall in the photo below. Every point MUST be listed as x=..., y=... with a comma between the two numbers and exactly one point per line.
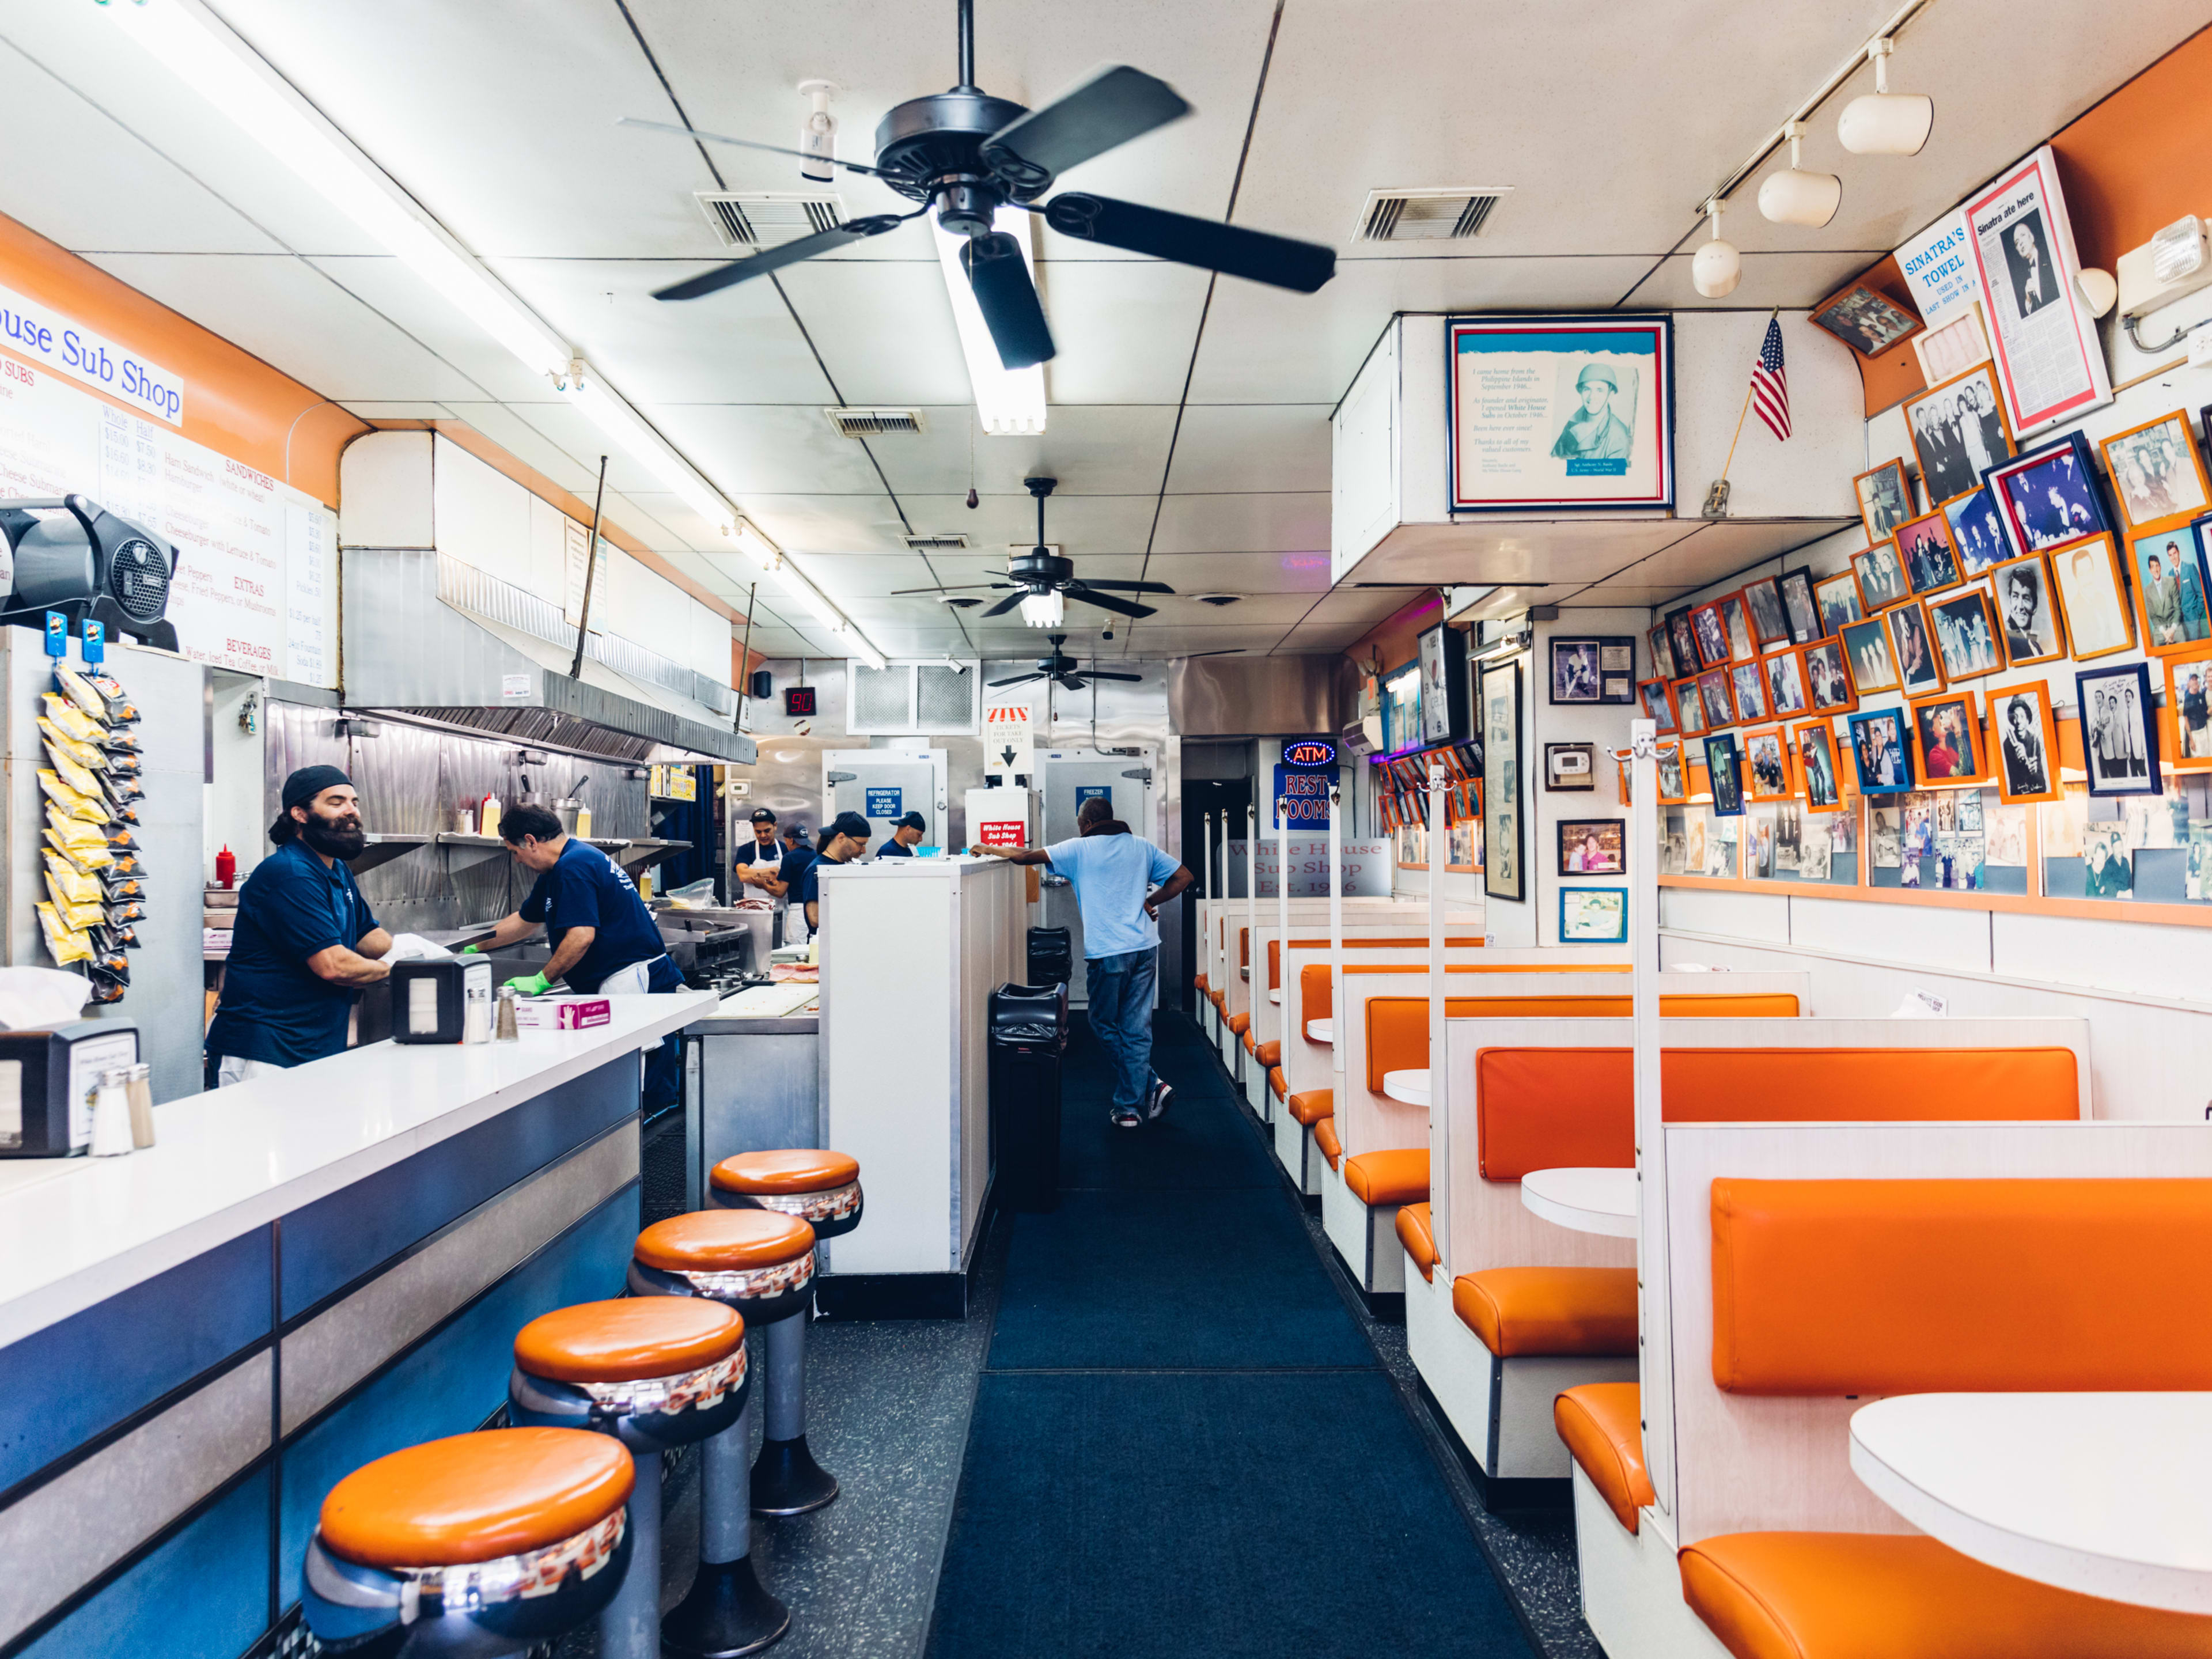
x=1556, y=413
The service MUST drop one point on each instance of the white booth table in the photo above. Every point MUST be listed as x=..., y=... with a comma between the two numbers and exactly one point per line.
x=1322, y=1030
x=1588, y=1201
x=2099, y=1493
x=1410, y=1086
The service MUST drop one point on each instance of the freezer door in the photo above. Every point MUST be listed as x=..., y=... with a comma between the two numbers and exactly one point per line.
x=1066, y=779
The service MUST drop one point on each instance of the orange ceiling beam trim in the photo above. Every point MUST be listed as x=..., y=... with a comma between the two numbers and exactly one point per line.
x=513, y=466
x=234, y=404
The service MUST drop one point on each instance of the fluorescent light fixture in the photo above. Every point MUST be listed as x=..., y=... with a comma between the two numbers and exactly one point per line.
x=757, y=547
x=1043, y=609
x=1008, y=401
x=1405, y=682
x=202, y=52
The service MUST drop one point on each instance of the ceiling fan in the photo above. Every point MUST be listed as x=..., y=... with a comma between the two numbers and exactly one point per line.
x=964, y=155
x=1038, y=578
x=1061, y=667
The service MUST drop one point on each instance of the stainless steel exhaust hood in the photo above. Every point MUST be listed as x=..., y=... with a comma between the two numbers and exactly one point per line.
x=432, y=639
x=1261, y=697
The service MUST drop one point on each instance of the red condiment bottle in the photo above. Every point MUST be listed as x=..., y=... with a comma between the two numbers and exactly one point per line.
x=226, y=866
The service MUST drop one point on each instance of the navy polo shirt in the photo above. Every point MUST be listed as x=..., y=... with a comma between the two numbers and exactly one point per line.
x=791, y=872
x=753, y=852
x=895, y=849
x=275, y=1008
x=587, y=888
x=810, y=888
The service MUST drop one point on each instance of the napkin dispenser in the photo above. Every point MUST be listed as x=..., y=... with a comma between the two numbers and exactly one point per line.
x=444, y=999
x=47, y=1080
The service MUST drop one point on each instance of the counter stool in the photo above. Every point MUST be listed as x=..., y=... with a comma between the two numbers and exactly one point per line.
x=472, y=1548
x=824, y=1189
x=654, y=1371
x=762, y=1264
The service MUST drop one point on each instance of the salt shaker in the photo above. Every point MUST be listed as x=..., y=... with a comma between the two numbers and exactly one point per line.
x=111, y=1114
x=141, y=1095
x=507, y=1030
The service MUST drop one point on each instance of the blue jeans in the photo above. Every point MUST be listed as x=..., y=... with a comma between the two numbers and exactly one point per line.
x=1122, y=1014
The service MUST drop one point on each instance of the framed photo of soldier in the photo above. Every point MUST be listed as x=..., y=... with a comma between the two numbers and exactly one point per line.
x=2026, y=740
x=1560, y=413
x=2119, y=729
x=2156, y=471
x=1960, y=430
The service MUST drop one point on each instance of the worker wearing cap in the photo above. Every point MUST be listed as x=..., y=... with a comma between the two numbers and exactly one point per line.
x=789, y=874
x=906, y=835
x=605, y=941
x=304, y=943
x=755, y=863
x=845, y=838
x=1594, y=432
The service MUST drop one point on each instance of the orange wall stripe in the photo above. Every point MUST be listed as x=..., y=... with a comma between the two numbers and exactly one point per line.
x=2141, y=159
x=234, y=404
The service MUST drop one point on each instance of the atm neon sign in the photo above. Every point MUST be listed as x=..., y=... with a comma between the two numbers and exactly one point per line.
x=1310, y=752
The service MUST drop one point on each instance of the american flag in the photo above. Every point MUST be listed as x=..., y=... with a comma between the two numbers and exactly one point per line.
x=1769, y=382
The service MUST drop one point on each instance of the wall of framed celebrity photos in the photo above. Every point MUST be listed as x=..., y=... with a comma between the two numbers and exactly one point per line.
x=2002, y=683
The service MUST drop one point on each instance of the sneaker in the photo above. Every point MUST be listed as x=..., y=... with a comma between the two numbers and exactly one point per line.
x=1125, y=1117
x=1155, y=1105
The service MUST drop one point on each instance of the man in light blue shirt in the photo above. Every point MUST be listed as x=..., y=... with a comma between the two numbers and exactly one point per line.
x=1121, y=882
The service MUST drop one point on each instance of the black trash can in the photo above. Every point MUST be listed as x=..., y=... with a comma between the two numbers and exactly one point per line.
x=1052, y=956
x=1028, y=1036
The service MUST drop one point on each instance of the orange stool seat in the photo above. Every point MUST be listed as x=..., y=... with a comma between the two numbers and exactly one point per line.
x=478, y=1497
x=761, y=1260
x=1417, y=1232
x=627, y=1339
x=1396, y=1175
x=1550, y=1311
x=819, y=1186
x=1601, y=1424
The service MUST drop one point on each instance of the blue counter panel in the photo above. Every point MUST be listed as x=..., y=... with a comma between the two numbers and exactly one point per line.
x=79, y=1378
x=330, y=1243
x=204, y=1594
x=457, y=1377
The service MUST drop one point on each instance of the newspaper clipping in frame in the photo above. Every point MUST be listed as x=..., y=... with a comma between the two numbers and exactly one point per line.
x=2046, y=343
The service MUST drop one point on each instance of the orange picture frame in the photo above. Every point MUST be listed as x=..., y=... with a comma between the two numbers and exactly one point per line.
x=1948, y=746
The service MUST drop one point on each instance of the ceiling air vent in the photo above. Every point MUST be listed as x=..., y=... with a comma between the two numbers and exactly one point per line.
x=952, y=543
x=1440, y=214
x=873, y=422
x=764, y=219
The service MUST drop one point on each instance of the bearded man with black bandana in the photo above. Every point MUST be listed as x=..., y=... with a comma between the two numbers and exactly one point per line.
x=304, y=941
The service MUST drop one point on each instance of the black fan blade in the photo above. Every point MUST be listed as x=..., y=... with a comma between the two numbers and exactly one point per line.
x=744, y=143
x=1101, y=674
x=722, y=276
x=1113, y=106
x=1068, y=681
x=1253, y=254
x=1130, y=588
x=958, y=587
x=1107, y=601
x=1008, y=603
x=1019, y=679
x=1007, y=298
x=1233, y=651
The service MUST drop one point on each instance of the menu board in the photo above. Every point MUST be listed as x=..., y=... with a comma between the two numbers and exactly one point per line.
x=255, y=589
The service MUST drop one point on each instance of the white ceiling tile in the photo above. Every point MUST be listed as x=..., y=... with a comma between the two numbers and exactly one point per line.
x=1240, y=573
x=885, y=328
x=1159, y=639
x=772, y=448
x=863, y=522
x=738, y=346
x=1124, y=328
x=1793, y=279
x=398, y=294
x=1294, y=522
x=1115, y=450
x=1081, y=525
x=370, y=409
x=1277, y=610
x=1251, y=448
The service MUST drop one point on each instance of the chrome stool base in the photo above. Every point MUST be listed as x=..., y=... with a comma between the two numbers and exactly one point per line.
x=726, y=1612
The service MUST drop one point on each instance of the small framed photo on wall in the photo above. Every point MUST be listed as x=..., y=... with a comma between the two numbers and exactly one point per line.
x=1882, y=751
x=1659, y=705
x=1689, y=708
x=1683, y=638
x=2026, y=740
x=2119, y=730
x=1593, y=915
x=2168, y=568
x=1801, y=607
x=1837, y=596
x=1725, y=774
x=1881, y=578
x=1594, y=671
x=1815, y=743
x=1663, y=652
x=2156, y=471
x=2030, y=610
x=1947, y=740
x=1976, y=536
x=2048, y=496
x=2189, y=698
x=1770, y=621
x=2099, y=620
x=1884, y=497
x=1960, y=429
x=1593, y=846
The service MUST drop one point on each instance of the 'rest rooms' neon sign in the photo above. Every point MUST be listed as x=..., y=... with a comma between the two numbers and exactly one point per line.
x=1310, y=753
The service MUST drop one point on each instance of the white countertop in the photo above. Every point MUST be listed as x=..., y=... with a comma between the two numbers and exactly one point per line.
x=1410, y=1086
x=75, y=1231
x=1590, y=1201
x=2099, y=1493
x=1320, y=1031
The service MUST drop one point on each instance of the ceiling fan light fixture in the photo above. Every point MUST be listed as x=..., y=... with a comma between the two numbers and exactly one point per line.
x=1009, y=403
x=1043, y=609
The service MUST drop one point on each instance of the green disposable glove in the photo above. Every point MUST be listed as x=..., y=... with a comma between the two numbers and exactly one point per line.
x=468, y=949
x=530, y=985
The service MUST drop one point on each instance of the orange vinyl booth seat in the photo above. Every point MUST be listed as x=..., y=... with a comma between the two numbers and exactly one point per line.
x=1876, y=1287
x=1417, y=1232
x=1601, y=1424
x=1324, y=1133
x=1398, y=1027
x=1315, y=983
x=1551, y=1109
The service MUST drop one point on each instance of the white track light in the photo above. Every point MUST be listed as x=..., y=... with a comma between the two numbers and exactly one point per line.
x=1795, y=197
x=1718, y=267
x=1882, y=122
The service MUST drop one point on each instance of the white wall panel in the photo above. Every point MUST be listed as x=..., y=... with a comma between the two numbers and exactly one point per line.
x=482, y=516
x=1748, y=917
x=1922, y=935
x=2109, y=956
